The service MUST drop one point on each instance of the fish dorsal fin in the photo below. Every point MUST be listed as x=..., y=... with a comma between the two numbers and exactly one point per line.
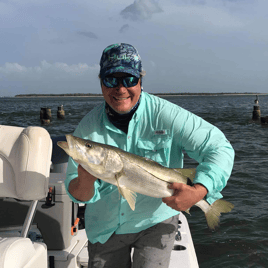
x=186, y=172
x=129, y=195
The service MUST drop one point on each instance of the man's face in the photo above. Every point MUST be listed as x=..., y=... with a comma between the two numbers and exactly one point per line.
x=121, y=99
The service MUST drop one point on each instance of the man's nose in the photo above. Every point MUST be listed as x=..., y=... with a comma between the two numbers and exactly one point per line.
x=120, y=85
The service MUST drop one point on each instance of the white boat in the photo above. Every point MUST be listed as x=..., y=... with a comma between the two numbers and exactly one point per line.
x=51, y=235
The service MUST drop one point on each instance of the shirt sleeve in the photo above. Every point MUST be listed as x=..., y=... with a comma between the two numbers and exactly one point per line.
x=71, y=174
x=209, y=147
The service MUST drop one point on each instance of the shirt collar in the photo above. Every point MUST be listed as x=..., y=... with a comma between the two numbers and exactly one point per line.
x=137, y=114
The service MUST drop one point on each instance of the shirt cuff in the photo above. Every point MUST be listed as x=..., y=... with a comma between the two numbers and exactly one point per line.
x=213, y=178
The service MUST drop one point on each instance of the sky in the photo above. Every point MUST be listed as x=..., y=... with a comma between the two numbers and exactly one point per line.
x=194, y=46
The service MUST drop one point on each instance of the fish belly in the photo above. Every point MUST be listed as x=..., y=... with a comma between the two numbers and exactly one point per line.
x=141, y=181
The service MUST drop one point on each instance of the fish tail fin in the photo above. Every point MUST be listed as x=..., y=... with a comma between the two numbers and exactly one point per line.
x=214, y=212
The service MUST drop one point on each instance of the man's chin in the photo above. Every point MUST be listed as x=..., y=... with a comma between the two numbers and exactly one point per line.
x=123, y=112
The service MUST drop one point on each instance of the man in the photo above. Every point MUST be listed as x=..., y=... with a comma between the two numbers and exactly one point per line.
x=146, y=125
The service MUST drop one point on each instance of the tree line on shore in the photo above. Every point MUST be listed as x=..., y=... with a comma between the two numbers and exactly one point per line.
x=158, y=94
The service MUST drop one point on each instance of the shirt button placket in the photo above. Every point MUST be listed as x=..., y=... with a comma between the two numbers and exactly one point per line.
x=128, y=142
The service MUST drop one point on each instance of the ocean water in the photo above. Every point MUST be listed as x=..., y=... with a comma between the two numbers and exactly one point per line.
x=242, y=239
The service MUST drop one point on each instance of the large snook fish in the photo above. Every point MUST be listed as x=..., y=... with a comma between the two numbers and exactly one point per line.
x=135, y=174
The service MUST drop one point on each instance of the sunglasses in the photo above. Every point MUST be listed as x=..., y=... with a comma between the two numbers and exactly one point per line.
x=128, y=81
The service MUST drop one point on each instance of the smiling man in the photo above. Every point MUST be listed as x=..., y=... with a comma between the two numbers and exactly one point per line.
x=121, y=73
x=146, y=125
x=124, y=94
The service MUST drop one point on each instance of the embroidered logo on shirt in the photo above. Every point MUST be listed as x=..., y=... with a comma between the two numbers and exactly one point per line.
x=160, y=132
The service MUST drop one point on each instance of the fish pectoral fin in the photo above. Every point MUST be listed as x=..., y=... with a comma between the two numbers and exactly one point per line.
x=186, y=172
x=129, y=195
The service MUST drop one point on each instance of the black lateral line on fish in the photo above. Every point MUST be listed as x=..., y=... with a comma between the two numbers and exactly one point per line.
x=148, y=171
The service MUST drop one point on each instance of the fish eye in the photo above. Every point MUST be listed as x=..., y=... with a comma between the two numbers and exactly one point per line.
x=88, y=145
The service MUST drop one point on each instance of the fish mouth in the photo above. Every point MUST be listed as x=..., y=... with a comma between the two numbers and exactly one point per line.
x=69, y=145
x=63, y=145
x=70, y=142
x=73, y=145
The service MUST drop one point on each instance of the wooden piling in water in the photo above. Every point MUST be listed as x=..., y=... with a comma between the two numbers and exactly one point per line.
x=256, y=114
x=60, y=112
x=45, y=116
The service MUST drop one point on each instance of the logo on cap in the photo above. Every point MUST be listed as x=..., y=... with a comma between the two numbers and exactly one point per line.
x=115, y=57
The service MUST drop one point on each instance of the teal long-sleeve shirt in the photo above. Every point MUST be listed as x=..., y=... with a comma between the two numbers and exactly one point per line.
x=161, y=131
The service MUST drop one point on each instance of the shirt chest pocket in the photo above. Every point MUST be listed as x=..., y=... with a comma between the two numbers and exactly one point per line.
x=157, y=149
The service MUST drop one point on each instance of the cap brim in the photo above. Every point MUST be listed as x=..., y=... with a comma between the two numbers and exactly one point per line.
x=131, y=71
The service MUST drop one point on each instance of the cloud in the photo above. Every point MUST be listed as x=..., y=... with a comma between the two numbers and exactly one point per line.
x=44, y=69
x=195, y=2
x=88, y=34
x=213, y=2
x=48, y=78
x=6, y=9
x=141, y=10
x=124, y=28
x=204, y=18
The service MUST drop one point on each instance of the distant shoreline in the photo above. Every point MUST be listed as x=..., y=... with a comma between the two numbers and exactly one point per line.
x=156, y=94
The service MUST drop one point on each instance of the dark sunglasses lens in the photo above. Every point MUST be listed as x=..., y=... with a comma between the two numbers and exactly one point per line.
x=130, y=81
x=110, y=82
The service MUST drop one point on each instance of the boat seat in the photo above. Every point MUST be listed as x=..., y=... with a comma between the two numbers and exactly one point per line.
x=25, y=159
x=21, y=252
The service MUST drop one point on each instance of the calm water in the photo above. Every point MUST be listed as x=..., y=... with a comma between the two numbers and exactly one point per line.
x=242, y=240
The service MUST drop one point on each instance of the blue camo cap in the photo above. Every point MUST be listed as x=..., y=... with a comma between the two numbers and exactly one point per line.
x=120, y=58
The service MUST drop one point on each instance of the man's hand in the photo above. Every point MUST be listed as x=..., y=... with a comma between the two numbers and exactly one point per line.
x=84, y=175
x=185, y=196
x=82, y=187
